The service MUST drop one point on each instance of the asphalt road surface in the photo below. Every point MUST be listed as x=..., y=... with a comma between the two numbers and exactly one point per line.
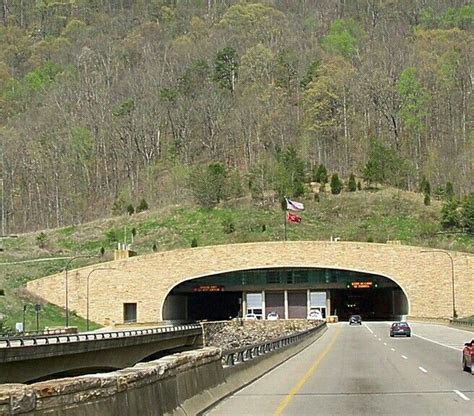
x=360, y=370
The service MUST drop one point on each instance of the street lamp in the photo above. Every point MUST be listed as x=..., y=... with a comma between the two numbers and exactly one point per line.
x=452, y=276
x=67, y=292
x=87, y=291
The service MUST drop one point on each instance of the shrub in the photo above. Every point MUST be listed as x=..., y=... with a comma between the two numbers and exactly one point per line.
x=427, y=200
x=359, y=186
x=41, y=240
x=155, y=248
x=228, y=225
x=142, y=206
x=130, y=209
x=194, y=242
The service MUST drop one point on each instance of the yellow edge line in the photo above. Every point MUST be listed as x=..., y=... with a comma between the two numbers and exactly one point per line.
x=305, y=377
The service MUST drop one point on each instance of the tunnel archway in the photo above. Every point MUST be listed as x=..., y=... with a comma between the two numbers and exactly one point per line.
x=290, y=291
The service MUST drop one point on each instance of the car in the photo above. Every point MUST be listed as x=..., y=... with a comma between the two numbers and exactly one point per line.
x=355, y=320
x=272, y=316
x=250, y=317
x=400, y=328
x=315, y=315
x=468, y=357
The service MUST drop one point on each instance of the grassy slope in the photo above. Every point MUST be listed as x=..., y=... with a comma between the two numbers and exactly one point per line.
x=375, y=216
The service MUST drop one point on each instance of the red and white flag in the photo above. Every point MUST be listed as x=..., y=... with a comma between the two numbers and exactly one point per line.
x=293, y=205
x=294, y=218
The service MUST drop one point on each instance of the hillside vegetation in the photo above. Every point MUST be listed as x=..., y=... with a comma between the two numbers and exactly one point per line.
x=368, y=215
x=105, y=103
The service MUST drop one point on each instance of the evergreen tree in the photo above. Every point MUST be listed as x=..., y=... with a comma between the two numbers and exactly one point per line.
x=449, y=191
x=321, y=175
x=336, y=184
x=351, y=186
x=451, y=213
x=468, y=213
x=142, y=206
x=225, y=68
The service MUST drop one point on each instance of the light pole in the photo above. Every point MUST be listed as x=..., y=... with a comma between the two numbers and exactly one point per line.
x=452, y=276
x=24, y=317
x=66, y=282
x=87, y=291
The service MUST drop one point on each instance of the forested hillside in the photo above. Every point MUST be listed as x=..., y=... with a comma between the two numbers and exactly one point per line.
x=113, y=105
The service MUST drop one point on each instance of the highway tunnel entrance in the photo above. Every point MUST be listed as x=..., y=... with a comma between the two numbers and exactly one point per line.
x=290, y=292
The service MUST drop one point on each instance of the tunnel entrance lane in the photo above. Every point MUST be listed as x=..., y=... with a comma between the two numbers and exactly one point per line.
x=291, y=292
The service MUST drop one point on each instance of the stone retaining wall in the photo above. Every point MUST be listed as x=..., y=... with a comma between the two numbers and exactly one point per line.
x=240, y=333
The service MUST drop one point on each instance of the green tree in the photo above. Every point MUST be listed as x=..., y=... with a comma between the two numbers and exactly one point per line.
x=351, y=185
x=321, y=175
x=449, y=191
x=451, y=215
x=384, y=166
x=226, y=68
x=414, y=98
x=336, y=184
x=468, y=213
x=344, y=37
x=290, y=174
x=208, y=185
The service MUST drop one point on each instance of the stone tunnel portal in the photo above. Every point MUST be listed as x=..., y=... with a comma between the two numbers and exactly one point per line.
x=291, y=292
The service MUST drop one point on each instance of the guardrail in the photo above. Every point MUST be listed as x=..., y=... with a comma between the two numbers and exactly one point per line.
x=243, y=354
x=462, y=323
x=94, y=336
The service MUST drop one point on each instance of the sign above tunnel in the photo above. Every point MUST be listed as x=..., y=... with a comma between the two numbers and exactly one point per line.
x=361, y=285
x=208, y=288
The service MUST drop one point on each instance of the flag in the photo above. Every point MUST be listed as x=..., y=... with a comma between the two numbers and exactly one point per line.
x=293, y=205
x=294, y=218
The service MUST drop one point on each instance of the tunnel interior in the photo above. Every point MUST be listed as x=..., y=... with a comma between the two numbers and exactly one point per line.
x=291, y=292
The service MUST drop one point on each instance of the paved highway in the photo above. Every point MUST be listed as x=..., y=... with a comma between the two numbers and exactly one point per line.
x=360, y=370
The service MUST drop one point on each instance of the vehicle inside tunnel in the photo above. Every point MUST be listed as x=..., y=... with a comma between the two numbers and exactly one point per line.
x=288, y=292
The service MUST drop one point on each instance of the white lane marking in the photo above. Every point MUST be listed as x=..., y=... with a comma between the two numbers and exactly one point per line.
x=393, y=349
x=436, y=342
x=369, y=329
x=384, y=343
x=462, y=396
x=422, y=369
x=404, y=357
x=380, y=339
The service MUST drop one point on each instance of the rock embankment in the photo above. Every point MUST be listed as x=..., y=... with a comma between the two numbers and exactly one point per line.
x=238, y=333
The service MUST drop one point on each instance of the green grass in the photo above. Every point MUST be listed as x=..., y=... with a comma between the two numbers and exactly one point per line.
x=375, y=216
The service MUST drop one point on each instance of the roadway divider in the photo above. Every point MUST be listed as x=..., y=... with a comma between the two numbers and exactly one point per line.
x=185, y=383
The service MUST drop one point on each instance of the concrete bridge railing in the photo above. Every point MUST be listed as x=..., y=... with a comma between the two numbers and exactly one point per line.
x=28, y=359
x=181, y=384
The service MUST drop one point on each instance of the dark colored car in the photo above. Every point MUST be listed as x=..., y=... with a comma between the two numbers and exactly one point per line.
x=400, y=328
x=355, y=320
x=468, y=357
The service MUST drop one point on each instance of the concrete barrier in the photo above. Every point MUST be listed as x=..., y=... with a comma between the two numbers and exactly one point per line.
x=186, y=383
